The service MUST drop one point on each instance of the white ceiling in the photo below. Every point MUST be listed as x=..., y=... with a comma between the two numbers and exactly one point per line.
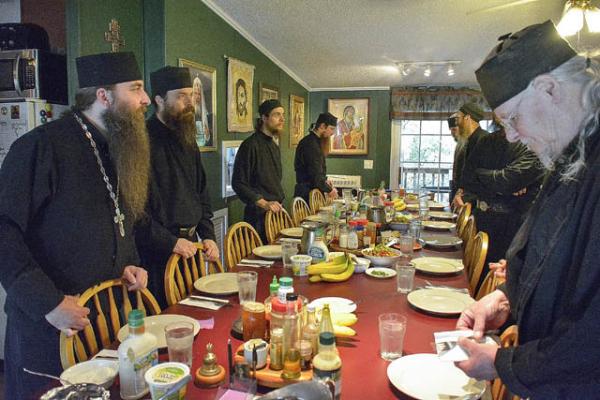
x=327, y=44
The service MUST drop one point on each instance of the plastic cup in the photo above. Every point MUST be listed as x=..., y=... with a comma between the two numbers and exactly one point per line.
x=180, y=339
x=405, y=276
x=288, y=249
x=392, y=327
x=247, y=285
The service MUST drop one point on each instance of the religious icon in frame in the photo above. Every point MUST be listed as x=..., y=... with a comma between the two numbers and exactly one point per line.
x=204, y=84
x=240, y=79
x=296, y=118
x=267, y=92
x=230, y=149
x=351, y=136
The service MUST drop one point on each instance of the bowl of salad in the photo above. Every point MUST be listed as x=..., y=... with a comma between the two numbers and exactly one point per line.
x=381, y=255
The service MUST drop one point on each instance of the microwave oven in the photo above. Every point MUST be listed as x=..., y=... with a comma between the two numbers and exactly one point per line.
x=33, y=74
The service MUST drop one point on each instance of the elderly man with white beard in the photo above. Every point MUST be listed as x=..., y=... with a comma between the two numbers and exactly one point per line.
x=548, y=97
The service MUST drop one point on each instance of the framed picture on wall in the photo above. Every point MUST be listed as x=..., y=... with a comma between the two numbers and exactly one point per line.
x=267, y=92
x=296, y=117
x=240, y=80
x=351, y=136
x=204, y=83
x=230, y=149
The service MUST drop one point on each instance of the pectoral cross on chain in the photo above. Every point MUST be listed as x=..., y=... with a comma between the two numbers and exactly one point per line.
x=113, y=36
x=119, y=218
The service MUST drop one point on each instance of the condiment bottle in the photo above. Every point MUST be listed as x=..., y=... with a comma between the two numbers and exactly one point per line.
x=327, y=364
x=343, y=237
x=273, y=289
x=276, y=349
x=326, y=323
x=310, y=331
x=137, y=354
x=352, y=237
x=318, y=249
x=285, y=287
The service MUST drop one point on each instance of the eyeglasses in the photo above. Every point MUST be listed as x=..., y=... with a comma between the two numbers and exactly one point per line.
x=513, y=118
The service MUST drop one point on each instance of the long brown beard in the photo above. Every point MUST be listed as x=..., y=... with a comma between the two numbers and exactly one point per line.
x=325, y=143
x=129, y=149
x=182, y=124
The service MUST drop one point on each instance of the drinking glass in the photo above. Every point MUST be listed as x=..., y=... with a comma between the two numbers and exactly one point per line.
x=406, y=244
x=180, y=338
x=288, y=250
x=392, y=327
x=247, y=285
x=414, y=229
x=405, y=276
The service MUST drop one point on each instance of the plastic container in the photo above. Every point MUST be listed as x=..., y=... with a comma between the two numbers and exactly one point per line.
x=300, y=263
x=285, y=287
x=318, y=250
x=162, y=377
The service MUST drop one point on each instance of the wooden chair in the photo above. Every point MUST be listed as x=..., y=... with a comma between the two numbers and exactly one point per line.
x=316, y=200
x=477, y=259
x=467, y=237
x=181, y=273
x=300, y=210
x=239, y=242
x=463, y=215
x=489, y=284
x=106, y=324
x=275, y=222
x=509, y=338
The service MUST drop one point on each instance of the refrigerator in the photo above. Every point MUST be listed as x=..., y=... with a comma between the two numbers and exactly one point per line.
x=16, y=119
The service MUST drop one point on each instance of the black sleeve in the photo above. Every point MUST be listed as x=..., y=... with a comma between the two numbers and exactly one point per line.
x=244, y=166
x=26, y=181
x=205, y=227
x=468, y=178
x=313, y=162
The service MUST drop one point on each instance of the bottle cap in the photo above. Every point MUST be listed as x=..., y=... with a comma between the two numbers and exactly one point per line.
x=274, y=286
x=291, y=297
x=135, y=318
x=326, y=338
x=285, y=281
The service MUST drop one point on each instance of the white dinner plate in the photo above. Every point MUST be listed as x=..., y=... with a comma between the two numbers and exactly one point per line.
x=426, y=377
x=438, y=265
x=269, y=252
x=221, y=283
x=99, y=372
x=380, y=273
x=292, y=232
x=439, y=301
x=412, y=207
x=438, y=225
x=434, y=206
x=155, y=324
x=441, y=241
x=336, y=304
x=446, y=215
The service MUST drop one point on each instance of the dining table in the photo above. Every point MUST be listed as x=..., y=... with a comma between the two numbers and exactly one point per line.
x=364, y=372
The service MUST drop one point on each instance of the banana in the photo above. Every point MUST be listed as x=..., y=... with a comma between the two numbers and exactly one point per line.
x=315, y=278
x=344, y=276
x=344, y=319
x=335, y=266
x=343, y=331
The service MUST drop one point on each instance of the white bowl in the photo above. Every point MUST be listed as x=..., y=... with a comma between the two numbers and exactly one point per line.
x=99, y=372
x=381, y=261
x=361, y=264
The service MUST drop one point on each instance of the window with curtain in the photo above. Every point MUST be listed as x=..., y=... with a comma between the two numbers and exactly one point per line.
x=426, y=148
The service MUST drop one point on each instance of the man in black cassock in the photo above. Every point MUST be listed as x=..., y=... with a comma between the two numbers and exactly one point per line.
x=458, y=155
x=309, y=162
x=467, y=119
x=257, y=169
x=179, y=202
x=550, y=101
x=70, y=194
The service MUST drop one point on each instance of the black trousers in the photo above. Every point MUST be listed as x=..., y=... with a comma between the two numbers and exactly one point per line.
x=255, y=216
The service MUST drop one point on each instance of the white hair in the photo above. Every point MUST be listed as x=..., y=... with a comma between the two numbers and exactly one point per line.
x=585, y=72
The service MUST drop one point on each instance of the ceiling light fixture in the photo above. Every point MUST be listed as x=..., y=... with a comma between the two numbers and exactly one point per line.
x=407, y=67
x=450, y=71
x=427, y=71
x=573, y=16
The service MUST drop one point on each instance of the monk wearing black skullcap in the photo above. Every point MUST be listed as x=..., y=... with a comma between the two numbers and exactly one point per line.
x=179, y=202
x=257, y=170
x=547, y=97
x=71, y=192
x=309, y=162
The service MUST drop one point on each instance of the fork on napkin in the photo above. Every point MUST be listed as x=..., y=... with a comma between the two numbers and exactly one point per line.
x=205, y=302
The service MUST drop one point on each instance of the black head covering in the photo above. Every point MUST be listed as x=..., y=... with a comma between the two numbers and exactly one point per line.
x=327, y=119
x=473, y=110
x=520, y=57
x=107, y=69
x=268, y=105
x=169, y=78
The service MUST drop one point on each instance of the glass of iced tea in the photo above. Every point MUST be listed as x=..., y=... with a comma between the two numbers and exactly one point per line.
x=253, y=320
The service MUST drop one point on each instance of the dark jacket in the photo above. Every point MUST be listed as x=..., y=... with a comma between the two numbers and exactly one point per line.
x=552, y=286
x=311, y=170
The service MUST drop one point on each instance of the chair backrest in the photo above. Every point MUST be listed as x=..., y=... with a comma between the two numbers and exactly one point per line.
x=463, y=214
x=300, y=210
x=489, y=284
x=467, y=237
x=105, y=323
x=241, y=238
x=316, y=200
x=275, y=222
x=181, y=273
x=509, y=338
x=477, y=259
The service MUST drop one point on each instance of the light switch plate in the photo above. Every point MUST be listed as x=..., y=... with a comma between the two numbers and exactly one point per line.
x=368, y=164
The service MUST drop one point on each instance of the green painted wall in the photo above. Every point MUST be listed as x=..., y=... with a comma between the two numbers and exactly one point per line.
x=380, y=128
x=160, y=32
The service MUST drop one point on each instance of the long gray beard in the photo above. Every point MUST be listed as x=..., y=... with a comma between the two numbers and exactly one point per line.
x=129, y=149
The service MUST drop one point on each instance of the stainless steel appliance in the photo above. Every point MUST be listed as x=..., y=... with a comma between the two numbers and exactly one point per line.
x=33, y=74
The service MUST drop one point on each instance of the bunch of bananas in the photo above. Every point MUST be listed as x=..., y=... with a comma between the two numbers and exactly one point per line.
x=342, y=323
x=337, y=270
x=399, y=204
